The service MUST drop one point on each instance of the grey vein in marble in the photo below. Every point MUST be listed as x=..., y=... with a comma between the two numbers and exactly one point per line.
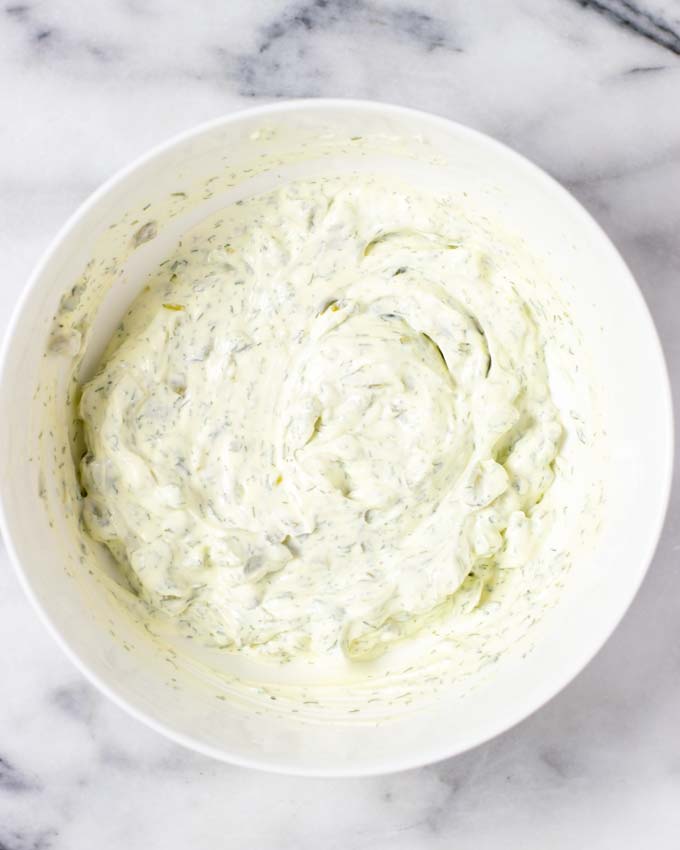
x=638, y=20
x=263, y=70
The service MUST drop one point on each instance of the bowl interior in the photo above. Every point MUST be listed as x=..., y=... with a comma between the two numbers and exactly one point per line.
x=176, y=186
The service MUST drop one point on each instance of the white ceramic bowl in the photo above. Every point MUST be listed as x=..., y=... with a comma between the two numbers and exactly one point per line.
x=96, y=633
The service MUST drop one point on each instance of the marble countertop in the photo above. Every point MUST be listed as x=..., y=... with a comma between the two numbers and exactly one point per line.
x=589, y=89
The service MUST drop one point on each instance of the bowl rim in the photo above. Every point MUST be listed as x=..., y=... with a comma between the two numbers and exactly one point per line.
x=578, y=662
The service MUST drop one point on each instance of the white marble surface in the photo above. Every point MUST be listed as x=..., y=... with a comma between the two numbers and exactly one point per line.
x=589, y=90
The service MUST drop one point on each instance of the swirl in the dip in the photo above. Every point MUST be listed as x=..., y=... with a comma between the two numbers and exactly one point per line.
x=325, y=423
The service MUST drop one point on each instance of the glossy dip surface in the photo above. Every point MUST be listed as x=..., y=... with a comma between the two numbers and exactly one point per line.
x=327, y=424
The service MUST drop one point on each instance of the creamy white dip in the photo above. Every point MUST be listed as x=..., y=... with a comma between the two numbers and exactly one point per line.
x=326, y=424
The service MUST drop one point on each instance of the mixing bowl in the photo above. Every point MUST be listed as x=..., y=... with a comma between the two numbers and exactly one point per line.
x=122, y=232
